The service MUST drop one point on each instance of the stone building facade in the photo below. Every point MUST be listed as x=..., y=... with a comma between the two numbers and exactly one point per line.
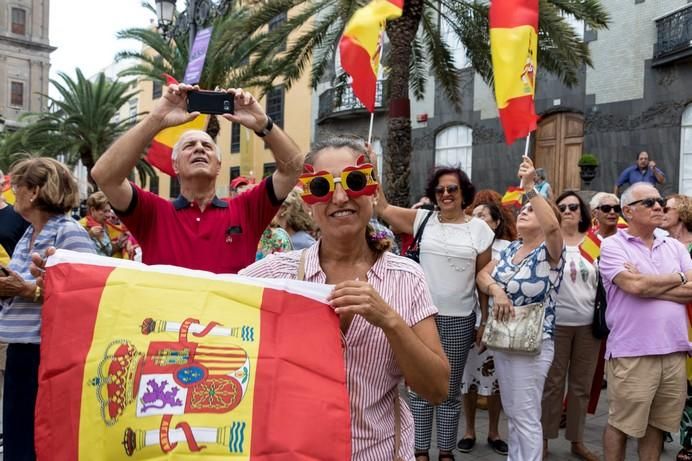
x=636, y=97
x=24, y=58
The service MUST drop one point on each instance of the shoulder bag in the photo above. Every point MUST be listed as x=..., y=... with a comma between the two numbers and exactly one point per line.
x=523, y=333
x=599, y=328
x=413, y=251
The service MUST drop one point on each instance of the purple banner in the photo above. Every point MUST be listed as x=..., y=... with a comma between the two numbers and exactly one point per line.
x=197, y=56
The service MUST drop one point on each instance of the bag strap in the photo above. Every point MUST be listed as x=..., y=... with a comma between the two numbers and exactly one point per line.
x=397, y=426
x=301, y=267
x=419, y=234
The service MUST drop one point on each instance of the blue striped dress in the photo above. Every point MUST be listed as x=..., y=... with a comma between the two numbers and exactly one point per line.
x=20, y=318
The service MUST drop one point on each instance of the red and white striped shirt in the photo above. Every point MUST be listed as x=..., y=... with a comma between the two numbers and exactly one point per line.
x=372, y=374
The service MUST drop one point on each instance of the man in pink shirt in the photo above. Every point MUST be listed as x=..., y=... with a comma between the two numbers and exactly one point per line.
x=645, y=277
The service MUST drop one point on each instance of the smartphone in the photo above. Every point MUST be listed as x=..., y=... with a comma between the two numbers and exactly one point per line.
x=210, y=102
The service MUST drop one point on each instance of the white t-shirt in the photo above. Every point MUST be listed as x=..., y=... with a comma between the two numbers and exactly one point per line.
x=575, y=299
x=448, y=255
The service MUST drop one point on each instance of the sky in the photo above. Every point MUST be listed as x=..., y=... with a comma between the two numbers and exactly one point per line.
x=84, y=33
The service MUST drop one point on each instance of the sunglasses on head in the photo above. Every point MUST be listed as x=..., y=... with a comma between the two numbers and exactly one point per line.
x=451, y=189
x=609, y=208
x=320, y=186
x=571, y=206
x=650, y=202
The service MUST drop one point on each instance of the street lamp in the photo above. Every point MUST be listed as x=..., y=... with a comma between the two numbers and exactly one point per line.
x=198, y=13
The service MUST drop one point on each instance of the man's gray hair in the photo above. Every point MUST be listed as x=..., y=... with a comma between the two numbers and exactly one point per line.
x=179, y=145
x=599, y=197
x=627, y=196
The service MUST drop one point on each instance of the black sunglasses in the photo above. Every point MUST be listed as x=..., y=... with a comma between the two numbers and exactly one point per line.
x=451, y=189
x=571, y=206
x=650, y=202
x=609, y=208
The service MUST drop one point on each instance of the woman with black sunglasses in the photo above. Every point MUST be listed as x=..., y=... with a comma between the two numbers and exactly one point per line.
x=453, y=248
x=576, y=349
x=384, y=306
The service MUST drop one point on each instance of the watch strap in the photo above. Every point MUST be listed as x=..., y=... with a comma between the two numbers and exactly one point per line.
x=265, y=131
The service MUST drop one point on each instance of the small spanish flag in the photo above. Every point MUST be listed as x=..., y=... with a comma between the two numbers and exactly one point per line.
x=514, y=47
x=590, y=247
x=360, y=46
x=512, y=197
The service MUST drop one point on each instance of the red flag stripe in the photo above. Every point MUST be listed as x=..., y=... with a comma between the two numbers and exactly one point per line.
x=518, y=118
x=507, y=14
x=159, y=155
x=355, y=60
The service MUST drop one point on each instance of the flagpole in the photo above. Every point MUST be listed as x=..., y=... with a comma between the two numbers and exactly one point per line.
x=372, y=121
x=528, y=142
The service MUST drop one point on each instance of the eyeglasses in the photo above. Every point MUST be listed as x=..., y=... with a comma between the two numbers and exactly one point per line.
x=650, y=202
x=571, y=206
x=451, y=189
x=609, y=208
x=356, y=181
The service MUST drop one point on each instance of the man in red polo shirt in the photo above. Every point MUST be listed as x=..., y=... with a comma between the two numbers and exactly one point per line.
x=197, y=230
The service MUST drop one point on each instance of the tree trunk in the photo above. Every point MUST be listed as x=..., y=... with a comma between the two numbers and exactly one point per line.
x=397, y=165
x=213, y=127
x=87, y=157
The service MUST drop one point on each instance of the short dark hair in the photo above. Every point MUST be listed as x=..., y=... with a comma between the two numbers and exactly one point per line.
x=468, y=190
x=585, y=218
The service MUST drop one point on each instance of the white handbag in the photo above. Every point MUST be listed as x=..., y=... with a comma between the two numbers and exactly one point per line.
x=523, y=333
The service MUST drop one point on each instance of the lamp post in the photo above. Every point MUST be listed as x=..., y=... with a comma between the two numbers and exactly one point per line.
x=198, y=13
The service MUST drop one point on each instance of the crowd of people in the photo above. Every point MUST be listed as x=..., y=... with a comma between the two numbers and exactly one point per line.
x=470, y=265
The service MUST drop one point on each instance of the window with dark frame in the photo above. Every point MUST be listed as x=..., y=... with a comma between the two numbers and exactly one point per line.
x=157, y=89
x=18, y=21
x=175, y=188
x=235, y=172
x=269, y=168
x=235, y=138
x=275, y=105
x=17, y=94
x=274, y=23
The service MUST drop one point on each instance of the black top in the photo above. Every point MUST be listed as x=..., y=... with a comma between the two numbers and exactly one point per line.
x=12, y=227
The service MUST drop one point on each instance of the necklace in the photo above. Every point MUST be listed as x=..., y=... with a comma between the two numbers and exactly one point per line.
x=446, y=239
x=442, y=219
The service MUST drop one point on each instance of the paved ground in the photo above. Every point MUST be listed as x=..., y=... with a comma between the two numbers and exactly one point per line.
x=559, y=449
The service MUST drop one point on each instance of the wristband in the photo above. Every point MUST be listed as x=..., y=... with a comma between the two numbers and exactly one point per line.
x=265, y=131
x=37, y=293
x=683, y=278
x=531, y=193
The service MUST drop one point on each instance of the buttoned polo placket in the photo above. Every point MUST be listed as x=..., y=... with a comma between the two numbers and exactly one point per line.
x=205, y=232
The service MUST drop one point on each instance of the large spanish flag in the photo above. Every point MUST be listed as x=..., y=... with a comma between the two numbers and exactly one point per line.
x=161, y=148
x=161, y=363
x=360, y=46
x=514, y=47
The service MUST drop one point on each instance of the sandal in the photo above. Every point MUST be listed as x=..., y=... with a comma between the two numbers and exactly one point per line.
x=422, y=454
x=466, y=444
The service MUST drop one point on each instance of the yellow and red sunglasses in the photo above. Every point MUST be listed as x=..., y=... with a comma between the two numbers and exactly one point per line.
x=356, y=180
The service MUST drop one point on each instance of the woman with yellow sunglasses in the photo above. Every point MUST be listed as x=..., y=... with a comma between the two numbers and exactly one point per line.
x=382, y=300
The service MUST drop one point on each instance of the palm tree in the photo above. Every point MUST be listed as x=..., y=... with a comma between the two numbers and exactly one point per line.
x=224, y=67
x=80, y=124
x=416, y=49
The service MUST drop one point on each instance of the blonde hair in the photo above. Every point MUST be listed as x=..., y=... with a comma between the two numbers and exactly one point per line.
x=683, y=205
x=296, y=216
x=97, y=201
x=58, y=191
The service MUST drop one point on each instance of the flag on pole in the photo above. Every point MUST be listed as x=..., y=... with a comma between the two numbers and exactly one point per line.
x=512, y=197
x=157, y=362
x=161, y=148
x=360, y=46
x=514, y=47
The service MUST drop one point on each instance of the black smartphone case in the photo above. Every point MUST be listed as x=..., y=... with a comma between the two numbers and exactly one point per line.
x=210, y=102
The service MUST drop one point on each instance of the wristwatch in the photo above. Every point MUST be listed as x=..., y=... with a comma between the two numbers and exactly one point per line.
x=265, y=131
x=531, y=193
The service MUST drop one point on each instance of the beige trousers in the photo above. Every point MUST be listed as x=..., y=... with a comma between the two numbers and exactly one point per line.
x=576, y=356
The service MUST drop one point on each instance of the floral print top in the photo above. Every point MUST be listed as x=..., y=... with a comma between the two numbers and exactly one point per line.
x=273, y=240
x=532, y=280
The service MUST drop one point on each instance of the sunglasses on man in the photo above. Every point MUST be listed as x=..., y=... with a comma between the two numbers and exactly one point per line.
x=320, y=186
x=609, y=208
x=649, y=202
